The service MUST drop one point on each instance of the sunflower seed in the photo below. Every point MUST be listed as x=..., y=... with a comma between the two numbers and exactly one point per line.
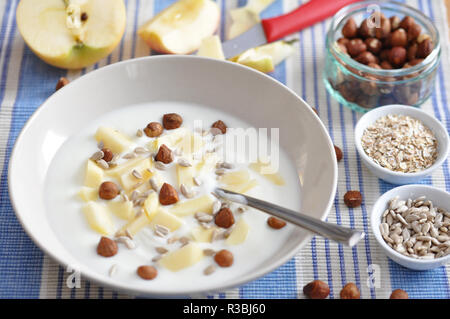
x=209, y=270
x=161, y=231
x=160, y=165
x=203, y=217
x=130, y=244
x=209, y=252
x=177, y=152
x=157, y=258
x=184, y=162
x=220, y=171
x=197, y=181
x=112, y=270
x=217, y=205
x=188, y=193
x=97, y=156
x=161, y=250
x=140, y=150
x=129, y=156
x=241, y=209
x=136, y=174
x=172, y=240
x=154, y=184
x=139, y=133
x=102, y=163
x=184, y=240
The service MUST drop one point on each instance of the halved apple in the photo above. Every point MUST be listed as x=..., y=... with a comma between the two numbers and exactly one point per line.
x=71, y=34
x=181, y=27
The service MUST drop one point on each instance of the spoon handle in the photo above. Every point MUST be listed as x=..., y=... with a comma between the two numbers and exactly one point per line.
x=340, y=234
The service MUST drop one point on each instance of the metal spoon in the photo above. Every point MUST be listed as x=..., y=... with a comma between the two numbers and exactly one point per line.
x=343, y=235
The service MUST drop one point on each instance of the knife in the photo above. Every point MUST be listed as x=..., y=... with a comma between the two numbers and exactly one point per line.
x=272, y=29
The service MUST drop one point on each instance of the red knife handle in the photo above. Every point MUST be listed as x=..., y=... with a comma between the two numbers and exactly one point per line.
x=302, y=17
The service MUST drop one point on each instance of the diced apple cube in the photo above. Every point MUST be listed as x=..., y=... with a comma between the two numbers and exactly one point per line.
x=166, y=219
x=121, y=169
x=93, y=175
x=239, y=233
x=200, y=204
x=88, y=193
x=151, y=205
x=208, y=164
x=211, y=47
x=242, y=188
x=135, y=225
x=170, y=139
x=236, y=177
x=202, y=235
x=267, y=171
x=116, y=141
x=128, y=180
x=190, y=143
x=185, y=175
x=122, y=209
x=184, y=257
x=99, y=218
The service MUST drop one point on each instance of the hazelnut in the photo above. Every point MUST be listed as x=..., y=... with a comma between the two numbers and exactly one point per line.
x=398, y=38
x=374, y=65
x=425, y=48
x=414, y=31
x=355, y=47
x=107, y=154
x=147, y=272
x=415, y=62
x=153, y=129
x=316, y=289
x=353, y=199
x=275, y=223
x=343, y=41
x=164, y=154
x=107, y=247
x=407, y=22
x=365, y=31
x=108, y=190
x=350, y=291
x=386, y=65
x=422, y=37
x=384, y=55
x=397, y=56
x=366, y=58
x=224, y=258
x=350, y=29
x=411, y=53
x=61, y=82
x=224, y=218
x=395, y=22
x=219, y=127
x=373, y=45
x=385, y=28
x=84, y=16
x=172, y=121
x=369, y=86
x=338, y=152
x=399, y=294
x=168, y=195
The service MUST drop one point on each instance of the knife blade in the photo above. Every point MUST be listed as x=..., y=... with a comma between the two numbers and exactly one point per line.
x=275, y=28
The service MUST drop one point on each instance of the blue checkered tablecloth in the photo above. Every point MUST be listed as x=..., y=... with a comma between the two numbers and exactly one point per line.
x=25, y=82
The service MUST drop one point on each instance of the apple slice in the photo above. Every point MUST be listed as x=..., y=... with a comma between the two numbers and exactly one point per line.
x=113, y=139
x=211, y=47
x=122, y=209
x=93, y=175
x=266, y=57
x=267, y=171
x=181, y=27
x=99, y=218
x=243, y=18
x=71, y=34
x=189, y=207
x=202, y=235
x=166, y=219
x=88, y=193
x=184, y=257
x=239, y=233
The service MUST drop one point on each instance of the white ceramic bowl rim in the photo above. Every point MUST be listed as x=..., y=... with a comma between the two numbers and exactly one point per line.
x=397, y=109
x=120, y=286
x=376, y=221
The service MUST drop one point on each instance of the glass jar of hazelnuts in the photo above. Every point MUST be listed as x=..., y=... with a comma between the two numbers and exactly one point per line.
x=381, y=53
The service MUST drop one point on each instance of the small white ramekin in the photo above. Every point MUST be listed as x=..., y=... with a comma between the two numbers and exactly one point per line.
x=398, y=177
x=439, y=198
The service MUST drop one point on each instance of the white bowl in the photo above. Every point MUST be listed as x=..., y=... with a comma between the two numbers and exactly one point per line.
x=398, y=177
x=221, y=86
x=439, y=198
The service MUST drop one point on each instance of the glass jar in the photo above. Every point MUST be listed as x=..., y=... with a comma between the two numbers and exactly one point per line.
x=361, y=87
